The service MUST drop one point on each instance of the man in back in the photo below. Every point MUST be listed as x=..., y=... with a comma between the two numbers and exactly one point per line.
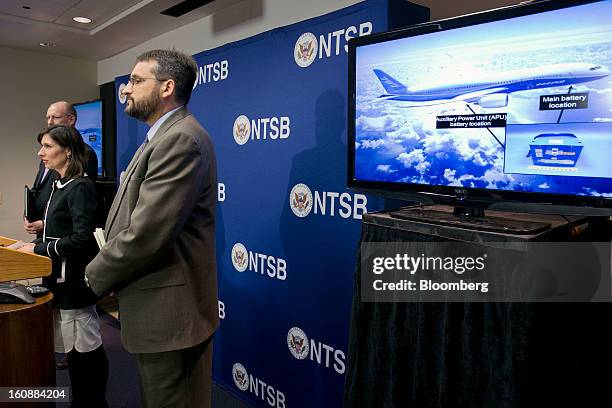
x=160, y=233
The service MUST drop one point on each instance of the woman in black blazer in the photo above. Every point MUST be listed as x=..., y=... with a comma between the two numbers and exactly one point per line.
x=68, y=240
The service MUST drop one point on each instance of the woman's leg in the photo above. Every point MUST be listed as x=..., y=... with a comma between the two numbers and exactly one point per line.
x=88, y=376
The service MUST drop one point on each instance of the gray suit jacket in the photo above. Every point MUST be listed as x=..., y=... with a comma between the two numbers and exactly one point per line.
x=160, y=233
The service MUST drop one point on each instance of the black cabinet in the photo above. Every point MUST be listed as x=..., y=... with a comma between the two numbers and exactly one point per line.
x=478, y=354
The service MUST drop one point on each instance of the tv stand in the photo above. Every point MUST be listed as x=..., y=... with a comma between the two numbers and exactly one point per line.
x=470, y=218
x=525, y=349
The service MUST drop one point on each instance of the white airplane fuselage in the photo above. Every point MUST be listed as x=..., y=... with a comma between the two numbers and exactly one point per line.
x=493, y=83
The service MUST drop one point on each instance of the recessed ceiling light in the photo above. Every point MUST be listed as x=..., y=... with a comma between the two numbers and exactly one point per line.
x=83, y=20
x=47, y=44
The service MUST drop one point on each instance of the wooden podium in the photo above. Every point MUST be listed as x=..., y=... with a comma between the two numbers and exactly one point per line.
x=26, y=330
x=15, y=265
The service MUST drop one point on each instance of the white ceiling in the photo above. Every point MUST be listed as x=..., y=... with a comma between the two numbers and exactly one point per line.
x=122, y=24
x=117, y=24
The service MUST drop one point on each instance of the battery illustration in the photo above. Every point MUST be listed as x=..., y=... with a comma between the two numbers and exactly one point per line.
x=555, y=149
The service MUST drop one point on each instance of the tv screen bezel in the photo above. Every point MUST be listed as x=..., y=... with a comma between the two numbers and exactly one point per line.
x=103, y=158
x=465, y=196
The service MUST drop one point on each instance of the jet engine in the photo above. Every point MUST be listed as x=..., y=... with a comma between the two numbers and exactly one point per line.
x=494, y=101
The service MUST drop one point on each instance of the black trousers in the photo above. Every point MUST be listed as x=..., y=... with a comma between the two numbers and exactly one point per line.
x=177, y=379
x=88, y=377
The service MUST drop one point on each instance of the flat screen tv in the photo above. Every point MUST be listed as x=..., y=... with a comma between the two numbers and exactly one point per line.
x=509, y=109
x=89, y=124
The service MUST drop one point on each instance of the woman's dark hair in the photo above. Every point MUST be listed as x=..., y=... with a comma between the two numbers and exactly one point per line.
x=69, y=138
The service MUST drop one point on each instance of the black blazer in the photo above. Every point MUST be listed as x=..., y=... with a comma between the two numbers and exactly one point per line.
x=42, y=187
x=68, y=240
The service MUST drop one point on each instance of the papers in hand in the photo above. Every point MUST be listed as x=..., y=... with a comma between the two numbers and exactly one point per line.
x=99, y=236
x=16, y=245
x=29, y=209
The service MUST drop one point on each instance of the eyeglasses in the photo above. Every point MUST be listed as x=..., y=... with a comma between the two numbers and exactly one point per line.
x=137, y=80
x=56, y=117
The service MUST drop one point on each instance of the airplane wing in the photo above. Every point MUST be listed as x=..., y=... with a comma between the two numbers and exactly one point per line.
x=469, y=97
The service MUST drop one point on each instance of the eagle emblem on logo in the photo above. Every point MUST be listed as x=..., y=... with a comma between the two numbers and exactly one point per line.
x=240, y=376
x=298, y=343
x=300, y=200
x=242, y=129
x=305, y=50
x=239, y=257
x=120, y=94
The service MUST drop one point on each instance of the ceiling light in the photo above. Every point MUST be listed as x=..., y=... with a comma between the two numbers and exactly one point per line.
x=47, y=44
x=83, y=20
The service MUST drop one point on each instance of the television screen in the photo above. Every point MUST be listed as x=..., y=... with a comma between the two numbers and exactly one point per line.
x=497, y=104
x=89, y=124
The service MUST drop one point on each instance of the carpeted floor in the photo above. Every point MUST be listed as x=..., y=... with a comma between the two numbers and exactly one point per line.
x=123, y=390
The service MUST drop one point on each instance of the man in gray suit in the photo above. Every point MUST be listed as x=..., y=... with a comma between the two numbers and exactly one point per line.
x=160, y=253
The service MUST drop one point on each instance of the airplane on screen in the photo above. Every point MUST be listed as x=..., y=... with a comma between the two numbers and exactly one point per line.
x=489, y=90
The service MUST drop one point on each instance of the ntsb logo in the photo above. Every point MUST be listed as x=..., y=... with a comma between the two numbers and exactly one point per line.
x=240, y=376
x=269, y=128
x=273, y=267
x=329, y=203
x=247, y=382
x=213, y=72
x=121, y=95
x=307, y=48
x=298, y=343
x=301, y=200
x=320, y=353
x=240, y=257
x=242, y=130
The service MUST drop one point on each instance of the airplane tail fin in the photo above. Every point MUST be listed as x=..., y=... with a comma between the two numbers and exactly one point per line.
x=391, y=85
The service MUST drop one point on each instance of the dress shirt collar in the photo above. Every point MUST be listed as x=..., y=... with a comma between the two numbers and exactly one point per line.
x=160, y=122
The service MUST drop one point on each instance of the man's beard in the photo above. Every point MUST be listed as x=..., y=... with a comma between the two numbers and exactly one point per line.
x=143, y=109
